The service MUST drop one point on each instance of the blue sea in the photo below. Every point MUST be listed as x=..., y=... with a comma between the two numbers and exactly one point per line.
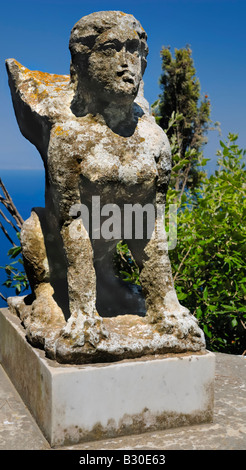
x=26, y=188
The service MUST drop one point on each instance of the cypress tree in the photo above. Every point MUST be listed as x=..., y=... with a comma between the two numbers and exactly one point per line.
x=183, y=114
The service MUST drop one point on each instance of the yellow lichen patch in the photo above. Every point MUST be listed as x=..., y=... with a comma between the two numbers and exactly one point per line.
x=39, y=96
x=20, y=66
x=57, y=89
x=44, y=78
x=37, y=86
x=60, y=131
x=123, y=14
x=52, y=82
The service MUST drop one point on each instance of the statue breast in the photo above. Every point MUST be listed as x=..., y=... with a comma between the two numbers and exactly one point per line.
x=83, y=146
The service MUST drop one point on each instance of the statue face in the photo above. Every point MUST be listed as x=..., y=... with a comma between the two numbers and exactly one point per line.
x=116, y=65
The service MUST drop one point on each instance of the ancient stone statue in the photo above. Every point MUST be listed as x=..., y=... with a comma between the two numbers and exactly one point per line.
x=98, y=143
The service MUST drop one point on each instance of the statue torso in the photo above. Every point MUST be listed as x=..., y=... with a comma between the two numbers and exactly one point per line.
x=87, y=158
x=82, y=155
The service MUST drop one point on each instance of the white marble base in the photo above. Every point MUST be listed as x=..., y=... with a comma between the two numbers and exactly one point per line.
x=94, y=401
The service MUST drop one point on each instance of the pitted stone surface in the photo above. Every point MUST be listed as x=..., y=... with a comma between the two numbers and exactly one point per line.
x=98, y=140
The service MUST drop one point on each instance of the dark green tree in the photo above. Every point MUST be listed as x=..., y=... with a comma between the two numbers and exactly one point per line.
x=181, y=104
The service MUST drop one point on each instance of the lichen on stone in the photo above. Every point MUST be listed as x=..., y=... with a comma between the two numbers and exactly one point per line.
x=97, y=139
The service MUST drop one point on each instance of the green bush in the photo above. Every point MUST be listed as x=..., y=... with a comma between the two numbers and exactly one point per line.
x=209, y=261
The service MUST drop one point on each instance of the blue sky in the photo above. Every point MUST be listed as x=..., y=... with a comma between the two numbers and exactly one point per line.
x=37, y=35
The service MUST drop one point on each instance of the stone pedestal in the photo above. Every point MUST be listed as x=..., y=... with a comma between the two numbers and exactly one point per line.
x=94, y=401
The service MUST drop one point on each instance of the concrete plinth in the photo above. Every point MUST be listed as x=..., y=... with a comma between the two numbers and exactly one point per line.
x=82, y=403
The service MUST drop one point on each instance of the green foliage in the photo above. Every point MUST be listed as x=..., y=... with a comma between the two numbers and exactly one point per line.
x=182, y=176
x=209, y=261
x=15, y=275
x=125, y=265
x=184, y=115
x=181, y=94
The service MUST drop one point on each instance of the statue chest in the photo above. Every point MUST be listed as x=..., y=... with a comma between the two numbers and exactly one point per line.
x=94, y=153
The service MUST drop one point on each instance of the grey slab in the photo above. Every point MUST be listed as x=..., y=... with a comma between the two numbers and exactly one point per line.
x=227, y=432
x=18, y=430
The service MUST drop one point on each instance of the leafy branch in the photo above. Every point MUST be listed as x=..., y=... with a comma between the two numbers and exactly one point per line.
x=16, y=277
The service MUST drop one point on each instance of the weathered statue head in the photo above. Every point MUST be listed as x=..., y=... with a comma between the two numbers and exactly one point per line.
x=108, y=51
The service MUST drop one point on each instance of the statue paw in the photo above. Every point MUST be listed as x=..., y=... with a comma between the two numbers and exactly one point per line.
x=82, y=329
x=179, y=323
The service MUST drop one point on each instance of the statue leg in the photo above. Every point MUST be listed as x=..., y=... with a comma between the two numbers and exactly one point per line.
x=84, y=326
x=163, y=308
x=45, y=315
x=34, y=251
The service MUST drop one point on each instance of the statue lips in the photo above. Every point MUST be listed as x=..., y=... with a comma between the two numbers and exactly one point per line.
x=128, y=79
x=126, y=76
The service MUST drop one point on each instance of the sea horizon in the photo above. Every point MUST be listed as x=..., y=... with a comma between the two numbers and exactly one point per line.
x=26, y=188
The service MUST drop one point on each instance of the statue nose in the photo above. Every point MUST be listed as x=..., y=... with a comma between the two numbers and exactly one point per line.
x=123, y=57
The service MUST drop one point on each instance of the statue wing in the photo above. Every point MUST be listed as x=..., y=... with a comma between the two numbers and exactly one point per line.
x=38, y=98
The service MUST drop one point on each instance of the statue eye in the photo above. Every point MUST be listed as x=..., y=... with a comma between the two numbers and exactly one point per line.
x=108, y=46
x=111, y=46
x=133, y=46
